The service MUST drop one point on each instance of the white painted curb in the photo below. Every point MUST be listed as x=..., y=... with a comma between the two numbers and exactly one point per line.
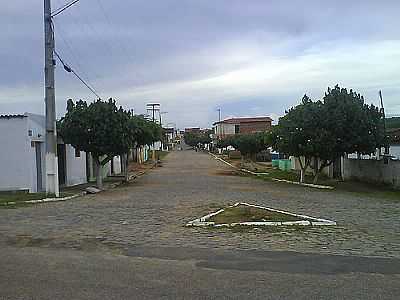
x=308, y=221
x=318, y=186
x=46, y=200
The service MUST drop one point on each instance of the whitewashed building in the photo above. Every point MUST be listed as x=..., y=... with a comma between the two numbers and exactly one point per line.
x=22, y=155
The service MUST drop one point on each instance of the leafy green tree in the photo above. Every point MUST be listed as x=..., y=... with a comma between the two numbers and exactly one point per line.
x=249, y=144
x=100, y=128
x=148, y=132
x=194, y=139
x=297, y=132
x=347, y=125
x=326, y=130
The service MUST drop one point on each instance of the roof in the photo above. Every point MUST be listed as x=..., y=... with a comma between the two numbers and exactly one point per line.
x=17, y=116
x=244, y=120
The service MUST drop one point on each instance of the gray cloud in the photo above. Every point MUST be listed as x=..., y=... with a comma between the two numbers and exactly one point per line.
x=194, y=56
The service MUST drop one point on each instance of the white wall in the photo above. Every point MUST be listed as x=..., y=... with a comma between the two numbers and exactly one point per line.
x=76, y=166
x=117, y=164
x=395, y=151
x=36, y=126
x=373, y=171
x=15, y=156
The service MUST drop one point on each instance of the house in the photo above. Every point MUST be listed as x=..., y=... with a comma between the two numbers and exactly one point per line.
x=234, y=126
x=192, y=130
x=22, y=155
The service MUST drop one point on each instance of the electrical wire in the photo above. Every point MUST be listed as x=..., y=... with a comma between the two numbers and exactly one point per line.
x=61, y=9
x=70, y=70
x=76, y=61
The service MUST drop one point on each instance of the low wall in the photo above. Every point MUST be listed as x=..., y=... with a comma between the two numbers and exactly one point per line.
x=375, y=171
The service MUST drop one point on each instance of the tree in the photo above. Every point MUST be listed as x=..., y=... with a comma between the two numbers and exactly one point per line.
x=193, y=139
x=249, y=144
x=347, y=125
x=327, y=130
x=99, y=128
x=148, y=132
x=296, y=133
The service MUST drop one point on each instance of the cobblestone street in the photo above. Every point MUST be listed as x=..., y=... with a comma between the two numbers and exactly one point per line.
x=153, y=210
x=132, y=243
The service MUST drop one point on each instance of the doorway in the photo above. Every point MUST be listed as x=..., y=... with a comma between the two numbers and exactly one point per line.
x=62, y=166
x=38, y=152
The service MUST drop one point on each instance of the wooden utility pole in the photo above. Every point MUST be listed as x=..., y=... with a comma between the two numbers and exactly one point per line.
x=51, y=132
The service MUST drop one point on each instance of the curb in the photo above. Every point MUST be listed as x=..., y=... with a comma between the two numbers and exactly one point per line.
x=46, y=200
x=307, y=220
x=318, y=186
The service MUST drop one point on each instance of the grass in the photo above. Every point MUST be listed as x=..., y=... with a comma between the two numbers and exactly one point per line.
x=19, y=197
x=357, y=188
x=243, y=213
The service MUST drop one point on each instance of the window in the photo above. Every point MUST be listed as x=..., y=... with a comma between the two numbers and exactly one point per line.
x=77, y=153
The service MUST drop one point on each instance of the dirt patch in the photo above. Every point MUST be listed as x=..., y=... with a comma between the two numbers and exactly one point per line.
x=242, y=213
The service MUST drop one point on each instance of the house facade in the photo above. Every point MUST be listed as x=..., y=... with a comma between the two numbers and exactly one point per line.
x=22, y=155
x=234, y=126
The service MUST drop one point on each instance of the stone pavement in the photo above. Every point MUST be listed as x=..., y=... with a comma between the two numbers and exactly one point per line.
x=132, y=243
x=154, y=209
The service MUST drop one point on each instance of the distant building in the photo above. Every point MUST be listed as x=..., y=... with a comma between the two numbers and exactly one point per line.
x=234, y=126
x=192, y=129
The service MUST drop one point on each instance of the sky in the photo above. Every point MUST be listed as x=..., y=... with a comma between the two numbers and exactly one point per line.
x=247, y=58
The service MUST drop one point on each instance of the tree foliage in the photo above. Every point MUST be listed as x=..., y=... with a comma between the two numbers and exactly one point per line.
x=148, y=132
x=341, y=123
x=99, y=128
x=248, y=144
x=105, y=131
x=193, y=139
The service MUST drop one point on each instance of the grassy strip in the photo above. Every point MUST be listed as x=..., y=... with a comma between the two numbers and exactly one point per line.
x=361, y=189
x=242, y=213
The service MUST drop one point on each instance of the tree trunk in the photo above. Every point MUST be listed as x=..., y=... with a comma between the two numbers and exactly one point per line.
x=303, y=168
x=99, y=175
x=323, y=165
x=302, y=175
x=316, y=178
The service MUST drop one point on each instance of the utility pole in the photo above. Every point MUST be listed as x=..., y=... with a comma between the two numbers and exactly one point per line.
x=219, y=115
x=162, y=113
x=384, y=123
x=51, y=132
x=153, y=107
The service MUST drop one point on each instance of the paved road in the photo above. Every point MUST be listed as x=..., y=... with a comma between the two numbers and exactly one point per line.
x=131, y=243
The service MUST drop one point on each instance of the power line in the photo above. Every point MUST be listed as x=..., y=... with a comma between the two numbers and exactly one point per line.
x=72, y=52
x=61, y=9
x=70, y=70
